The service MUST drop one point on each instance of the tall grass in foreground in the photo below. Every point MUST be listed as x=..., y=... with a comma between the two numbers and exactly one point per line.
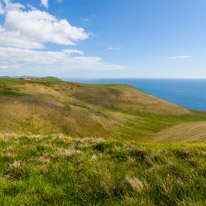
x=65, y=171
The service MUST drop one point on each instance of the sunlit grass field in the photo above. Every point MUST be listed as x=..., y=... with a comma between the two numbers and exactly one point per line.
x=58, y=170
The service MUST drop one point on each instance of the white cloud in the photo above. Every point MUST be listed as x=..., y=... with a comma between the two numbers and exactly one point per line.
x=181, y=57
x=27, y=28
x=111, y=48
x=42, y=27
x=12, y=6
x=50, y=59
x=4, y=67
x=73, y=51
x=59, y=1
x=16, y=39
x=31, y=7
x=44, y=3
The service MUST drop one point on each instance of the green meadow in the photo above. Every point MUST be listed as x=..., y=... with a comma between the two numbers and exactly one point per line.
x=65, y=143
x=58, y=170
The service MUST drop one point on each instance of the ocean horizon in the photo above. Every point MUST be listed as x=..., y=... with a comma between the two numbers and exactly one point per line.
x=189, y=93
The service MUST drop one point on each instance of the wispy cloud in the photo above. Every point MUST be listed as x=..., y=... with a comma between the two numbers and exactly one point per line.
x=1, y=9
x=85, y=19
x=44, y=3
x=112, y=48
x=4, y=66
x=181, y=57
x=61, y=60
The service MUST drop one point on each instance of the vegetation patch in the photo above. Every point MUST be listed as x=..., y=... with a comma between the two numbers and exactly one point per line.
x=52, y=106
x=58, y=170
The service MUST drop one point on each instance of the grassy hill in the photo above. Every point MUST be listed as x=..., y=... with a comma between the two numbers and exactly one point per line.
x=58, y=170
x=128, y=156
x=52, y=106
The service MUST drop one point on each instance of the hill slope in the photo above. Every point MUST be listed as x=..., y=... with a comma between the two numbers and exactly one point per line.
x=185, y=132
x=52, y=106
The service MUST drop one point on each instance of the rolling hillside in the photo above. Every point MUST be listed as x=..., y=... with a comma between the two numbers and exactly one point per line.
x=45, y=161
x=52, y=106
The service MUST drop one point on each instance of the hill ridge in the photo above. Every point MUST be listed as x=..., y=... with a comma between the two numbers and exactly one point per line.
x=53, y=106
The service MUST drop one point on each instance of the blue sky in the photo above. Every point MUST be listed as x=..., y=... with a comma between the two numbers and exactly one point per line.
x=103, y=39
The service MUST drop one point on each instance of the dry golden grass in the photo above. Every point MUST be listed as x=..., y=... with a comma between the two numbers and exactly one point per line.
x=79, y=110
x=126, y=98
x=43, y=111
x=185, y=132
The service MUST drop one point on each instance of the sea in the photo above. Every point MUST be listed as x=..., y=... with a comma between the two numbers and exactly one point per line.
x=189, y=93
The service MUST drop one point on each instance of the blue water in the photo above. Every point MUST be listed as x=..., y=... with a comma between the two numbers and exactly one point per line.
x=190, y=93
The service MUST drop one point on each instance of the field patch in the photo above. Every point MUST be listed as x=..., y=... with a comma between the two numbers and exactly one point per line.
x=185, y=132
x=60, y=170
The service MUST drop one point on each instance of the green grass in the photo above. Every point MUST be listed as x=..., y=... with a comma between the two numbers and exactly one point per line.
x=5, y=92
x=58, y=170
x=11, y=81
x=148, y=125
x=49, y=79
